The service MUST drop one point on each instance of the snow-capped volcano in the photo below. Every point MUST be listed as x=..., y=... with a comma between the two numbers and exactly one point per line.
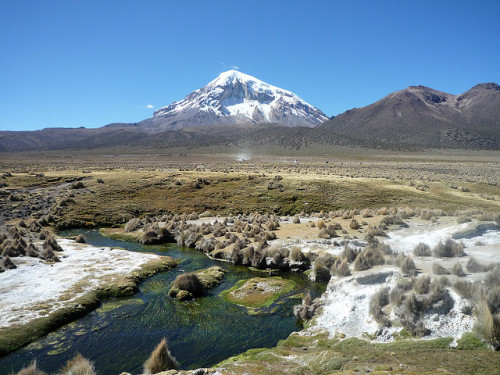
x=235, y=97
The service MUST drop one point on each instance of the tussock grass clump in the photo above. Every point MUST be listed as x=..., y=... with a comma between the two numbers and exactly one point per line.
x=32, y=251
x=457, y=270
x=320, y=224
x=494, y=299
x=361, y=263
x=467, y=289
x=437, y=269
x=488, y=325
x=374, y=256
x=320, y=272
x=77, y=185
x=354, y=224
x=408, y=267
x=422, y=284
x=341, y=269
x=190, y=283
x=80, y=238
x=349, y=253
x=327, y=232
x=51, y=243
x=160, y=360
x=396, y=296
x=297, y=255
x=132, y=225
x=48, y=254
x=448, y=249
x=31, y=370
x=422, y=250
x=493, y=277
x=474, y=266
x=377, y=302
x=296, y=220
x=385, y=249
x=306, y=310
x=78, y=365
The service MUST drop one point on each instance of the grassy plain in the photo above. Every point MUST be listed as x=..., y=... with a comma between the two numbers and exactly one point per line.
x=121, y=184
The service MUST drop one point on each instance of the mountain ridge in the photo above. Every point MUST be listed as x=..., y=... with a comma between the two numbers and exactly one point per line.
x=411, y=118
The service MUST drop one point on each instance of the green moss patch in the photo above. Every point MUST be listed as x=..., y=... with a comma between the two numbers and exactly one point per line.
x=258, y=292
x=319, y=354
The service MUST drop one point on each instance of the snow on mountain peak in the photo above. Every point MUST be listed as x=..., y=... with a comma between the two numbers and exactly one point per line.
x=236, y=97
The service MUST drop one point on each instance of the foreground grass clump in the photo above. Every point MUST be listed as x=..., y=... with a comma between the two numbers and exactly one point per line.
x=160, y=359
x=78, y=365
x=31, y=370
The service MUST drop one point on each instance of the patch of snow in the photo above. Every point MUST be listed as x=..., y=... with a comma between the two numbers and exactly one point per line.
x=240, y=95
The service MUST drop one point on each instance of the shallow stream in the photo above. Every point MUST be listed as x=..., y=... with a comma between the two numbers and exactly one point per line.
x=120, y=335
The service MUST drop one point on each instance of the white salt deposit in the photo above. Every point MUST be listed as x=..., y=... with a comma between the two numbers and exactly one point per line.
x=346, y=302
x=35, y=289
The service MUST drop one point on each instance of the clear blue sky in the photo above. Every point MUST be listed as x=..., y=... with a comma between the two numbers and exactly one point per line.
x=89, y=63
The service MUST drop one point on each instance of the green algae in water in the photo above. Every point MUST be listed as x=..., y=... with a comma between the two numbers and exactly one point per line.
x=114, y=305
x=201, y=333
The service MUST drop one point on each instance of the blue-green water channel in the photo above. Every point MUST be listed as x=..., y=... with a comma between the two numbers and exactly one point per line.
x=120, y=335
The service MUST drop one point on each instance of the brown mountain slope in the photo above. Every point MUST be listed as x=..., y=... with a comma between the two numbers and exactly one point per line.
x=421, y=116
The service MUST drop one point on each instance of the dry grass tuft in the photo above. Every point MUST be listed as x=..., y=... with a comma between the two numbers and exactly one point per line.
x=31, y=370
x=488, y=325
x=160, y=360
x=449, y=249
x=78, y=365
x=437, y=269
x=190, y=283
x=422, y=250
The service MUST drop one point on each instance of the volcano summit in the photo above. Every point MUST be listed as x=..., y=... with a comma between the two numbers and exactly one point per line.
x=235, y=97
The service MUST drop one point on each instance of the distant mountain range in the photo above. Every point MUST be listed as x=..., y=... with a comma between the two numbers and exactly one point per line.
x=236, y=108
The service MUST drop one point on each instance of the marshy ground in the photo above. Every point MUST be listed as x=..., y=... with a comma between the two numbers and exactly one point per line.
x=322, y=201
